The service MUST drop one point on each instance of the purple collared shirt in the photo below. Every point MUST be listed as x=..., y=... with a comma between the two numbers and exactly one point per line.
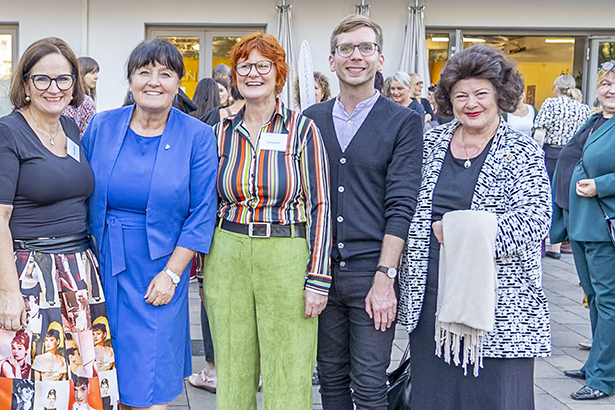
x=346, y=126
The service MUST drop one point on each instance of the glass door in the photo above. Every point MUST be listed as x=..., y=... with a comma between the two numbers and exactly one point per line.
x=8, y=59
x=189, y=44
x=601, y=50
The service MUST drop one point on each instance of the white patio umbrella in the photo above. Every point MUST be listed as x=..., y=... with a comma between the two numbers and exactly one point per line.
x=285, y=38
x=362, y=9
x=414, y=54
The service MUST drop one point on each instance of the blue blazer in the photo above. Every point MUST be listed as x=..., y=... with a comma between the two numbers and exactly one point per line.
x=586, y=220
x=181, y=209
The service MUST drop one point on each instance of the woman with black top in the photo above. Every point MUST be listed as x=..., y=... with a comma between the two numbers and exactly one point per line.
x=584, y=193
x=479, y=167
x=44, y=184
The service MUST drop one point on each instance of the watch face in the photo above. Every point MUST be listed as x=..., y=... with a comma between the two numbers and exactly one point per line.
x=391, y=272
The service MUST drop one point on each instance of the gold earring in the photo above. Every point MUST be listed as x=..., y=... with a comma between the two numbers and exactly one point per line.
x=27, y=98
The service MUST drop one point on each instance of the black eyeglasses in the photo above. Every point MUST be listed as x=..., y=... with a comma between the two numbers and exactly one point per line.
x=262, y=67
x=608, y=66
x=42, y=82
x=366, y=49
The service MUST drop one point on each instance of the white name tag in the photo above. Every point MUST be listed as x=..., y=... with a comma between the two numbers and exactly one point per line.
x=273, y=142
x=72, y=150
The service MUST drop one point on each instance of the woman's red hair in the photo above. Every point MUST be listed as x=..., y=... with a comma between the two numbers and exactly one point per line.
x=268, y=47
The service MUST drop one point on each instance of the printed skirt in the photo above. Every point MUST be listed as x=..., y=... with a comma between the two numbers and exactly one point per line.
x=63, y=357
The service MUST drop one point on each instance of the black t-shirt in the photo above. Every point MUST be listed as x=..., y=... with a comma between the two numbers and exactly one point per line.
x=48, y=193
x=568, y=157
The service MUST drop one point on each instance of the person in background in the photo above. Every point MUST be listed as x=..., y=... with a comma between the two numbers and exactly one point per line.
x=490, y=182
x=266, y=276
x=206, y=97
x=584, y=194
x=522, y=118
x=374, y=148
x=222, y=71
x=152, y=209
x=379, y=81
x=401, y=92
x=321, y=88
x=416, y=90
x=559, y=118
x=225, y=94
x=83, y=113
x=217, y=114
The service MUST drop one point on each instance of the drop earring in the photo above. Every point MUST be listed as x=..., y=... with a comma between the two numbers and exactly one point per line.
x=175, y=98
x=27, y=98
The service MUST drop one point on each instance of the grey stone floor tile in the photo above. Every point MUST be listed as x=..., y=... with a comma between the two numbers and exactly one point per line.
x=547, y=402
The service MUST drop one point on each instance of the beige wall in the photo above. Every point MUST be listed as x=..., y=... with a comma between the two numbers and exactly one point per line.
x=108, y=29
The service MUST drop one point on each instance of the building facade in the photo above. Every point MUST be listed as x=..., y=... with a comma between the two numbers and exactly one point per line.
x=546, y=37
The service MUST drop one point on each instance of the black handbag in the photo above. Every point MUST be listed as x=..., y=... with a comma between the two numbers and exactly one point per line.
x=398, y=389
x=610, y=222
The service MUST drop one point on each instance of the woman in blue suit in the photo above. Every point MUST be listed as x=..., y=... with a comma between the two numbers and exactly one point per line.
x=153, y=207
x=584, y=181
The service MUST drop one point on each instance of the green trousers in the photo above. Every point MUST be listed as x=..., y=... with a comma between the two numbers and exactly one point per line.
x=254, y=297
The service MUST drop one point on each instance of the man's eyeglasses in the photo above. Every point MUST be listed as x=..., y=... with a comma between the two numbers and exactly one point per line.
x=262, y=67
x=346, y=49
x=608, y=66
x=42, y=82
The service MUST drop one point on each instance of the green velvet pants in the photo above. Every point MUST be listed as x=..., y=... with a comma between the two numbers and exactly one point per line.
x=254, y=297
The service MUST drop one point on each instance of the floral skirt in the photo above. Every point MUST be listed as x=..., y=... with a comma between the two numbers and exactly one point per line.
x=63, y=356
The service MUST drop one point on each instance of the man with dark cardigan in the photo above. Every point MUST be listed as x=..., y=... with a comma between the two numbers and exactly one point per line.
x=375, y=151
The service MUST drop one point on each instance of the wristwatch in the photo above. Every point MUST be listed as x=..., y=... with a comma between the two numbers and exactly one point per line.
x=174, y=276
x=391, y=272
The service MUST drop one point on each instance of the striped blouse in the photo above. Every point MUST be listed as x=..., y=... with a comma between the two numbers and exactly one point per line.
x=284, y=187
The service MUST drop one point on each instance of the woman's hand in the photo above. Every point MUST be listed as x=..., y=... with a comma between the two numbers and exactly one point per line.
x=586, y=188
x=160, y=290
x=314, y=303
x=437, y=231
x=12, y=310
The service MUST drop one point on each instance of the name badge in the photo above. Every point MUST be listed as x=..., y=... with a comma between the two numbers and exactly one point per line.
x=72, y=150
x=273, y=142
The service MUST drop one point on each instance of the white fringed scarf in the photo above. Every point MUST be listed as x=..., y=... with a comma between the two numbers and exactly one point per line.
x=467, y=286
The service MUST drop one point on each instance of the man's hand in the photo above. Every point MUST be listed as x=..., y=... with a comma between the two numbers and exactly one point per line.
x=314, y=303
x=12, y=311
x=381, y=302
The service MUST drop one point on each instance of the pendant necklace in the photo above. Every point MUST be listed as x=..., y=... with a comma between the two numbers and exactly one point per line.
x=467, y=163
x=52, y=140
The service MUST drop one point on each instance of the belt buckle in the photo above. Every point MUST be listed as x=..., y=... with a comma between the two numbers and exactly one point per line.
x=251, y=226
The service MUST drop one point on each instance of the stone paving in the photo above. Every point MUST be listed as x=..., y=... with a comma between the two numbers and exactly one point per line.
x=569, y=324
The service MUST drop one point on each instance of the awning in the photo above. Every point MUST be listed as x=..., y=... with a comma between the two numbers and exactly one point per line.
x=414, y=53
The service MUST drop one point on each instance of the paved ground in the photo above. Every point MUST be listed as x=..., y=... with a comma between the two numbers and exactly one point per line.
x=569, y=323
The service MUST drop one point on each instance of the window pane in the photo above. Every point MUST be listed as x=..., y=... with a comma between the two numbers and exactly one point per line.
x=437, y=51
x=190, y=48
x=606, y=52
x=221, y=50
x=6, y=56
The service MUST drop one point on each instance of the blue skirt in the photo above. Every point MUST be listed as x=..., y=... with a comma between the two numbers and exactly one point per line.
x=152, y=343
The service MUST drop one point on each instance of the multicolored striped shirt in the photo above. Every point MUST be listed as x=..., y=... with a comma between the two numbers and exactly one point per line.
x=284, y=186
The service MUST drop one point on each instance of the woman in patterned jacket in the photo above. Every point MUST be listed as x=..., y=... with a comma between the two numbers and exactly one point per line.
x=477, y=162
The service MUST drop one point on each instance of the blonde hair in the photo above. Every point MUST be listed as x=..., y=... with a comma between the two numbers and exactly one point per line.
x=566, y=84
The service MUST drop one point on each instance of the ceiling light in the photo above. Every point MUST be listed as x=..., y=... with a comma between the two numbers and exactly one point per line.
x=559, y=40
x=473, y=40
x=440, y=39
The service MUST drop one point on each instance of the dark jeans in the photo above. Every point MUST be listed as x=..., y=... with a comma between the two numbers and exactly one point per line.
x=351, y=352
x=207, y=342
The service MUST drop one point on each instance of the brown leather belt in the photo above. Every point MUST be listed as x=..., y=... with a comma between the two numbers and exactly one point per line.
x=264, y=229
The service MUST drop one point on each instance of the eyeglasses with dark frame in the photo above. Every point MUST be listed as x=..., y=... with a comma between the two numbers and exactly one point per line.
x=262, y=67
x=366, y=49
x=42, y=82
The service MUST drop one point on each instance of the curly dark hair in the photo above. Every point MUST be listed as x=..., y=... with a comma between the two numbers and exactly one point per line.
x=483, y=62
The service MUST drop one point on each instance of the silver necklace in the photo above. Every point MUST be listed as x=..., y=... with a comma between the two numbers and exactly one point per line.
x=52, y=140
x=468, y=163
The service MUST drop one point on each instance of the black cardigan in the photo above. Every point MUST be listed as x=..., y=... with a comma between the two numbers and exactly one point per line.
x=374, y=184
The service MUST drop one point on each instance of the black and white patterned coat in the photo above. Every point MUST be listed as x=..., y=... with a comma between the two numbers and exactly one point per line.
x=513, y=184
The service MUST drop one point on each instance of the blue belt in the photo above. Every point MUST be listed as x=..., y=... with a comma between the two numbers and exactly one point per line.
x=116, y=222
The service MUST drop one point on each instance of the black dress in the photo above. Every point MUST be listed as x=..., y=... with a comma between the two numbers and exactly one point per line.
x=503, y=384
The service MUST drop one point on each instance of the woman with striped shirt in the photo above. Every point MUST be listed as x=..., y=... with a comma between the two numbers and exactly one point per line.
x=266, y=278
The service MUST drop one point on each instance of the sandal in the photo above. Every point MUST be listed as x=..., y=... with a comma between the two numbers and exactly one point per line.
x=201, y=381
